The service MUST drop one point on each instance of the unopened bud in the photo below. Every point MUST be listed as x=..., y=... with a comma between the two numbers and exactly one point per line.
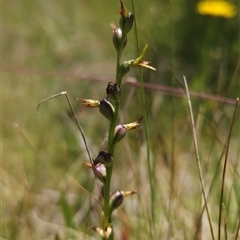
x=119, y=39
x=100, y=172
x=104, y=158
x=106, y=109
x=126, y=19
x=121, y=130
x=116, y=200
x=126, y=22
x=117, y=197
x=113, y=91
x=119, y=133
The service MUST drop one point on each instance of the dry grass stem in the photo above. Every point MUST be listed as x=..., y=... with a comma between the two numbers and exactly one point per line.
x=198, y=157
x=225, y=166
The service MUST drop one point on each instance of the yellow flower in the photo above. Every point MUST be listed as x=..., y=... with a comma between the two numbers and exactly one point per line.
x=216, y=8
x=90, y=103
x=139, y=62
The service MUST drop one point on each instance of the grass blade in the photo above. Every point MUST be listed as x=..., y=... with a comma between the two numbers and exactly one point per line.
x=198, y=157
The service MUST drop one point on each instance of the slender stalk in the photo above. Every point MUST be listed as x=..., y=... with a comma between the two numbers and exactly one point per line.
x=237, y=230
x=198, y=157
x=111, y=150
x=75, y=117
x=224, y=168
x=150, y=170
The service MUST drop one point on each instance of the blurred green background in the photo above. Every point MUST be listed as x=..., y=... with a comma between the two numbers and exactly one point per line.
x=54, y=46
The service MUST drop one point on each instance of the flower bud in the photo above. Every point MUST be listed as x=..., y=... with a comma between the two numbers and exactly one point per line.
x=119, y=133
x=100, y=172
x=126, y=19
x=117, y=197
x=106, y=109
x=104, y=158
x=119, y=39
x=113, y=91
x=126, y=22
x=124, y=69
x=121, y=130
x=116, y=200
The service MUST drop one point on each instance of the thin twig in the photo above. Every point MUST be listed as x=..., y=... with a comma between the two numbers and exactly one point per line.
x=74, y=114
x=237, y=231
x=198, y=157
x=225, y=222
x=224, y=168
x=178, y=92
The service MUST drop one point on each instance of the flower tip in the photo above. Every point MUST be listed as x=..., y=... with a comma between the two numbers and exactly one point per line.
x=87, y=164
x=128, y=193
x=140, y=119
x=90, y=102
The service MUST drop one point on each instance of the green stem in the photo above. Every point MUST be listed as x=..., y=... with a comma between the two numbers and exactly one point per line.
x=112, y=126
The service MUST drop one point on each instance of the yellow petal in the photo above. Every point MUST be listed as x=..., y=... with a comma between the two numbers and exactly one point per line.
x=145, y=64
x=90, y=102
x=137, y=60
x=217, y=8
